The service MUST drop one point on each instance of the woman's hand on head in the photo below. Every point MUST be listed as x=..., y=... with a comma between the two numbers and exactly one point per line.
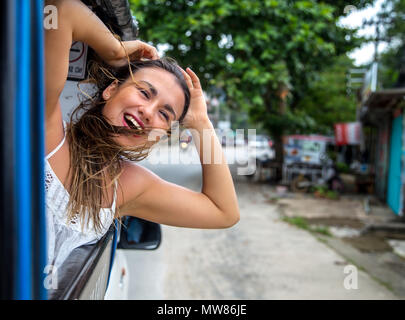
x=197, y=112
x=133, y=50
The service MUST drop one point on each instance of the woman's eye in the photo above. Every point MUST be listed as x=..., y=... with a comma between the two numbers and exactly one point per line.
x=164, y=115
x=145, y=93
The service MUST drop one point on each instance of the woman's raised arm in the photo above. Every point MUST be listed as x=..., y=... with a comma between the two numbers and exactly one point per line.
x=76, y=22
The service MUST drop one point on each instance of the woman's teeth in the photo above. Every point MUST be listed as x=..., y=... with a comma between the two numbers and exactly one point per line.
x=133, y=121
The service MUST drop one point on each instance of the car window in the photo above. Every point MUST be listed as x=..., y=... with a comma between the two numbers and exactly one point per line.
x=84, y=274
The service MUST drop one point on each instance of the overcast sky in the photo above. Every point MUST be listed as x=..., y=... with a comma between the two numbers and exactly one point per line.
x=355, y=19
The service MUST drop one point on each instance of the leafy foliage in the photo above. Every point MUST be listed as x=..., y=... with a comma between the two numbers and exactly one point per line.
x=391, y=63
x=391, y=21
x=262, y=53
x=326, y=101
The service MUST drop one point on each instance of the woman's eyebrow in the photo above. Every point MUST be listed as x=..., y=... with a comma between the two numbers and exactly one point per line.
x=154, y=92
x=151, y=88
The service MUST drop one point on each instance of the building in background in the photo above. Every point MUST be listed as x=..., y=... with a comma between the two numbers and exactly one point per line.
x=382, y=116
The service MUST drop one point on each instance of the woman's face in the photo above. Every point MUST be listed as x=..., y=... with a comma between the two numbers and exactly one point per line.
x=155, y=103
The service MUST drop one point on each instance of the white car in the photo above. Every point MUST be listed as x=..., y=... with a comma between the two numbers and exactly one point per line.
x=260, y=153
x=239, y=141
x=261, y=148
x=260, y=141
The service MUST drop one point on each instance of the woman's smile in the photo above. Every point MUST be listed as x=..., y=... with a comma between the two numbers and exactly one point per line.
x=132, y=122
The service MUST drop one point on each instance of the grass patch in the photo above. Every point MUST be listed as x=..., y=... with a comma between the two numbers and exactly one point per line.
x=297, y=221
x=273, y=199
x=301, y=223
x=322, y=230
x=324, y=192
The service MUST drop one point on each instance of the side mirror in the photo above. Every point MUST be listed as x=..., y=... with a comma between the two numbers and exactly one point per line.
x=139, y=234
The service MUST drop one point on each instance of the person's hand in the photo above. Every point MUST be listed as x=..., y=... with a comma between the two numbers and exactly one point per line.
x=197, y=112
x=133, y=50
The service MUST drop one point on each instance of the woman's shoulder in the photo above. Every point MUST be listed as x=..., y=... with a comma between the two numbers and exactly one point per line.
x=133, y=181
x=132, y=169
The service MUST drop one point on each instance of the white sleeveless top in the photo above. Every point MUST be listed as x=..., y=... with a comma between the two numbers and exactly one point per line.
x=64, y=236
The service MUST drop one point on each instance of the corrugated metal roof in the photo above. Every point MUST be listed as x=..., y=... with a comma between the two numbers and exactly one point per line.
x=381, y=103
x=386, y=99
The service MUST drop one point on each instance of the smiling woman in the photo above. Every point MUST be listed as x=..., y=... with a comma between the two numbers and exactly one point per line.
x=91, y=171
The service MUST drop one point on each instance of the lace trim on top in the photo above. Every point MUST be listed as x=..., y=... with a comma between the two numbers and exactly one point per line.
x=65, y=236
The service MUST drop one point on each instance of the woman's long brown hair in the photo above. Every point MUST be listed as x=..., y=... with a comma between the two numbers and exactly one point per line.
x=95, y=158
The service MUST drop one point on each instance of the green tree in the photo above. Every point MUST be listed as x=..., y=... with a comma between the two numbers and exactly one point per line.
x=326, y=101
x=392, y=61
x=389, y=23
x=391, y=66
x=261, y=53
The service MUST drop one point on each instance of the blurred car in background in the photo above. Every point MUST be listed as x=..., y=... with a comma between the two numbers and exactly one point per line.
x=226, y=137
x=230, y=139
x=261, y=154
x=306, y=162
x=261, y=142
x=239, y=141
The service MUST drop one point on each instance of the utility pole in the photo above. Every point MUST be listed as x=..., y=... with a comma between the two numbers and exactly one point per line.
x=377, y=40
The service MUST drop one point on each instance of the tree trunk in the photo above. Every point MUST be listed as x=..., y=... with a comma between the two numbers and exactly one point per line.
x=278, y=138
x=279, y=150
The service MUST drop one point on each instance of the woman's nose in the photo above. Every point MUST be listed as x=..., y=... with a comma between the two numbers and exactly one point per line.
x=146, y=112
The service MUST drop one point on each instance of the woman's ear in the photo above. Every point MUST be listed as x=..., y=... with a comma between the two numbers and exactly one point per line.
x=110, y=90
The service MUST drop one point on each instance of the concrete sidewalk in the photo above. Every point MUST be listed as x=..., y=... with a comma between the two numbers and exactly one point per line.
x=262, y=257
x=370, y=236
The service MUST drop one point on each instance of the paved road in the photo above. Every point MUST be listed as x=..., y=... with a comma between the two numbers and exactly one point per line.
x=259, y=258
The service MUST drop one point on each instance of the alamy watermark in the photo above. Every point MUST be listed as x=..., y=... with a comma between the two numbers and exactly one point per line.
x=51, y=278
x=50, y=17
x=349, y=9
x=243, y=156
x=350, y=281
